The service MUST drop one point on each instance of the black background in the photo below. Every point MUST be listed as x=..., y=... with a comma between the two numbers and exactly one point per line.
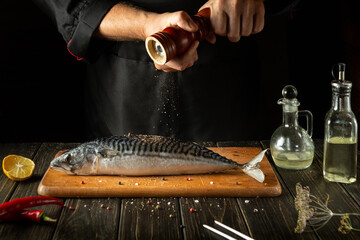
x=41, y=94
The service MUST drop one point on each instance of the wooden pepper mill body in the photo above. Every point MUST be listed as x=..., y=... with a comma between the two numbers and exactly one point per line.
x=165, y=45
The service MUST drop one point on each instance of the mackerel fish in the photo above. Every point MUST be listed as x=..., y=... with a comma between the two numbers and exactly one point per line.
x=148, y=155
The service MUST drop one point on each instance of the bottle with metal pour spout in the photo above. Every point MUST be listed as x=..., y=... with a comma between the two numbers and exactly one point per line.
x=291, y=146
x=341, y=129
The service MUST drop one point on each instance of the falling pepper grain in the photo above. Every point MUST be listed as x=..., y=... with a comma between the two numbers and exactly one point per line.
x=82, y=182
x=108, y=208
x=188, y=179
x=148, y=202
x=71, y=208
x=192, y=210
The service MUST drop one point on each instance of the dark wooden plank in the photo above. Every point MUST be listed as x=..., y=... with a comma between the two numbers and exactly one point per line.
x=354, y=188
x=269, y=218
x=28, y=150
x=206, y=210
x=272, y=218
x=150, y=218
x=17, y=230
x=91, y=218
x=340, y=200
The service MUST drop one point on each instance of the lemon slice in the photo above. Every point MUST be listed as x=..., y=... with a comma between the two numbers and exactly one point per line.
x=18, y=168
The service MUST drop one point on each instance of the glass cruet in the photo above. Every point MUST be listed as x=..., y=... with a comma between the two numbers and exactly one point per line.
x=291, y=146
x=341, y=129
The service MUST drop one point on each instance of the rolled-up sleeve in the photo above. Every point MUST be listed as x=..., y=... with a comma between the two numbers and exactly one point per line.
x=76, y=20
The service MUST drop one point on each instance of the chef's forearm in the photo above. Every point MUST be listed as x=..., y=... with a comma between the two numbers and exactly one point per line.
x=125, y=22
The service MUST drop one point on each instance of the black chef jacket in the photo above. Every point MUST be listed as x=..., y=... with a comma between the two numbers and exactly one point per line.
x=219, y=98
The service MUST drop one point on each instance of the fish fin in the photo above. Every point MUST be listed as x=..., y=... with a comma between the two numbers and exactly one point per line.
x=255, y=173
x=252, y=168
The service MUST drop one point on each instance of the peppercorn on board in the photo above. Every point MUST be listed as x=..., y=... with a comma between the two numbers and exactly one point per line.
x=232, y=183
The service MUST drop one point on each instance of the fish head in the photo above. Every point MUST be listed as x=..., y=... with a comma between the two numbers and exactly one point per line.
x=78, y=161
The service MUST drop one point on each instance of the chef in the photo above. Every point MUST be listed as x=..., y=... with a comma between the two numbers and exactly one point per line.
x=211, y=92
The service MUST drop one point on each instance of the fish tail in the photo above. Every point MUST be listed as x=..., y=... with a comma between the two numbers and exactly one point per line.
x=252, y=168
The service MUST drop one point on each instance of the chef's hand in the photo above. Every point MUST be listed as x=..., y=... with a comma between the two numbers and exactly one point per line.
x=178, y=19
x=235, y=18
x=125, y=22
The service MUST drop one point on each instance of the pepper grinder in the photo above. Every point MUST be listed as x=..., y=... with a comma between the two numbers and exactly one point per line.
x=165, y=45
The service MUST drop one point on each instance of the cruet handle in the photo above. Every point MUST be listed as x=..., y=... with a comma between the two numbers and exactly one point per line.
x=309, y=120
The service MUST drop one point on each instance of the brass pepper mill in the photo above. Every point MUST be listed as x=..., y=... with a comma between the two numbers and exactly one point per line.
x=170, y=42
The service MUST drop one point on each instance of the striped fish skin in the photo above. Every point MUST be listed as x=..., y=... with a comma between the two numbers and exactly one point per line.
x=142, y=155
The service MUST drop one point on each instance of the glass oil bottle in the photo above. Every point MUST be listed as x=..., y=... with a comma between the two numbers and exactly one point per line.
x=291, y=146
x=340, y=141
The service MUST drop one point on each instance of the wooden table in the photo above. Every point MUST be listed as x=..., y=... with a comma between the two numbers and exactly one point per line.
x=170, y=218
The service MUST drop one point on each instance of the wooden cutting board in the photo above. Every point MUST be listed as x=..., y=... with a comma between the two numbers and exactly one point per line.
x=233, y=183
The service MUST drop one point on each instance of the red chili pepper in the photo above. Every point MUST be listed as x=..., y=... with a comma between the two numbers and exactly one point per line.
x=37, y=216
x=17, y=205
x=33, y=215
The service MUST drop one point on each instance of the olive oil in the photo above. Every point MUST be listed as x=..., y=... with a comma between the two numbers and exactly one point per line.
x=341, y=133
x=292, y=160
x=340, y=160
x=291, y=146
